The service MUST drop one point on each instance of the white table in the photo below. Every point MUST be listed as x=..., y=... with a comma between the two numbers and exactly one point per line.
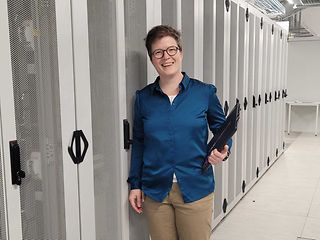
x=307, y=104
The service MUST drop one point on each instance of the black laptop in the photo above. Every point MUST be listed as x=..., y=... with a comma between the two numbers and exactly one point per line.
x=225, y=132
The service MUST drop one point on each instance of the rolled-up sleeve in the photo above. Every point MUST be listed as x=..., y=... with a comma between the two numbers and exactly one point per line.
x=137, y=147
x=216, y=115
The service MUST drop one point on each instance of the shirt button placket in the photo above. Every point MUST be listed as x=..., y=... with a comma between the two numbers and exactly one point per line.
x=171, y=132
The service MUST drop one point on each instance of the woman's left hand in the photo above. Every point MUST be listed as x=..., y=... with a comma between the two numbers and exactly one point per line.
x=217, y=157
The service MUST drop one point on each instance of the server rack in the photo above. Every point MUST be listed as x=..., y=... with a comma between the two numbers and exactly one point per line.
x=83, y=62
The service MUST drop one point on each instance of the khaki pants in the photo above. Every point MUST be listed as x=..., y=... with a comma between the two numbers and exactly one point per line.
x=173, y=219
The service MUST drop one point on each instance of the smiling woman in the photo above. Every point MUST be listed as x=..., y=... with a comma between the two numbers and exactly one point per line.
x=170, y=134
x=167, y=65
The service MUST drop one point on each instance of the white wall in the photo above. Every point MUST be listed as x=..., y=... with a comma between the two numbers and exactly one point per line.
x=303, y=82
x=310, y=19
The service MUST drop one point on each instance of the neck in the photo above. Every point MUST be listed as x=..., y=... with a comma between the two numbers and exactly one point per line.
x=170, y=84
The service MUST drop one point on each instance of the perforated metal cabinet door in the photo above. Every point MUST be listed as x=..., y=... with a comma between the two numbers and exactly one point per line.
x=222, y=82
x=263, y=139
x=108, y=109
x=257, y=93
x=188, y=40
x=209, y=41
x=10, y=197
x=276, y=91
x=269, y=109
x=232, y=170
x=274, y=103
x=35, y=76
x=243, y=97
x=136, y=78
x=171, y=13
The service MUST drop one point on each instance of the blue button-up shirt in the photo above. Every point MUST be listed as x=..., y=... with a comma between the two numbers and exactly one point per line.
x=172, y=138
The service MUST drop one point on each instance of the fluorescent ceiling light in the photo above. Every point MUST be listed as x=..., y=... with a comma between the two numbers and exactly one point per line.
x=269, y=6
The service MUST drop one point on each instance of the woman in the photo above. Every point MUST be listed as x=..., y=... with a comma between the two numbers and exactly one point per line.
x=170, y=134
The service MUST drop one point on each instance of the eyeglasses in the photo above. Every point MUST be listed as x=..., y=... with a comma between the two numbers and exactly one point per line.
x=171, y=51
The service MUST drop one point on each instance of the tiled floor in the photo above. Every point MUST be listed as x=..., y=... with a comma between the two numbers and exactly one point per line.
x=285, y=203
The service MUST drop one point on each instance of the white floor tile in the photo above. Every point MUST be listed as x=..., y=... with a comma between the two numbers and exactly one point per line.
x=252, y=225
x=316, y=198
x=312, y=229
x=314, y=211
x=280, y=200
x=285, y=203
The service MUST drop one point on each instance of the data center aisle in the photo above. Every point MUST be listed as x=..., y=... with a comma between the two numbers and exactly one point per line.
x=285, y=203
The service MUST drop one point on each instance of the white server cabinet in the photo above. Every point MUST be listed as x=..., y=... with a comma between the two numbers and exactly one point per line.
x=282, y=70
x=171, y=13
x=105, y=92
x=264, y=97
x=192, y=15
x=60, y=109
x=283, y=85
x=38, y=97
x=153, y=17
x=283, y=38
x=137, y=65
x=274, y=81
x=280, y=88
x=258, y=96
x=280, y=98
x=243, y=52
x=268, y=86
x=234, y=166
x=71, y=69
x=10, y=195
x=277, y=148
x=209, y=41
x=251, y=98
x=222, y=82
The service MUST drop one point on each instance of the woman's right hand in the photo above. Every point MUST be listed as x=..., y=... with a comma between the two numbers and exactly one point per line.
x=136, y=200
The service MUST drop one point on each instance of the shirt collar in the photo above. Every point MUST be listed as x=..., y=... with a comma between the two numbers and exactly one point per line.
x=183, y=84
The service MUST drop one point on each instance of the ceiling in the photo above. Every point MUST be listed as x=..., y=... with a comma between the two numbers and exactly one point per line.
x=303, y=16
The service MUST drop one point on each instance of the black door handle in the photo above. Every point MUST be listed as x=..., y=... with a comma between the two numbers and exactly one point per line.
x=238, y=102
x=270, y=97
x=226, y=108
x=227, y=3
x=16, y=173
x=254, y=104
x=245, y=103
x=126, y=133
x=266, y=98
x=247, y=15
x=259, y=100
x=78, y=157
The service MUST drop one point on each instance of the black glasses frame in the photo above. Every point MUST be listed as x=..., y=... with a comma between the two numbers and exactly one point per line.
x=156, y=53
